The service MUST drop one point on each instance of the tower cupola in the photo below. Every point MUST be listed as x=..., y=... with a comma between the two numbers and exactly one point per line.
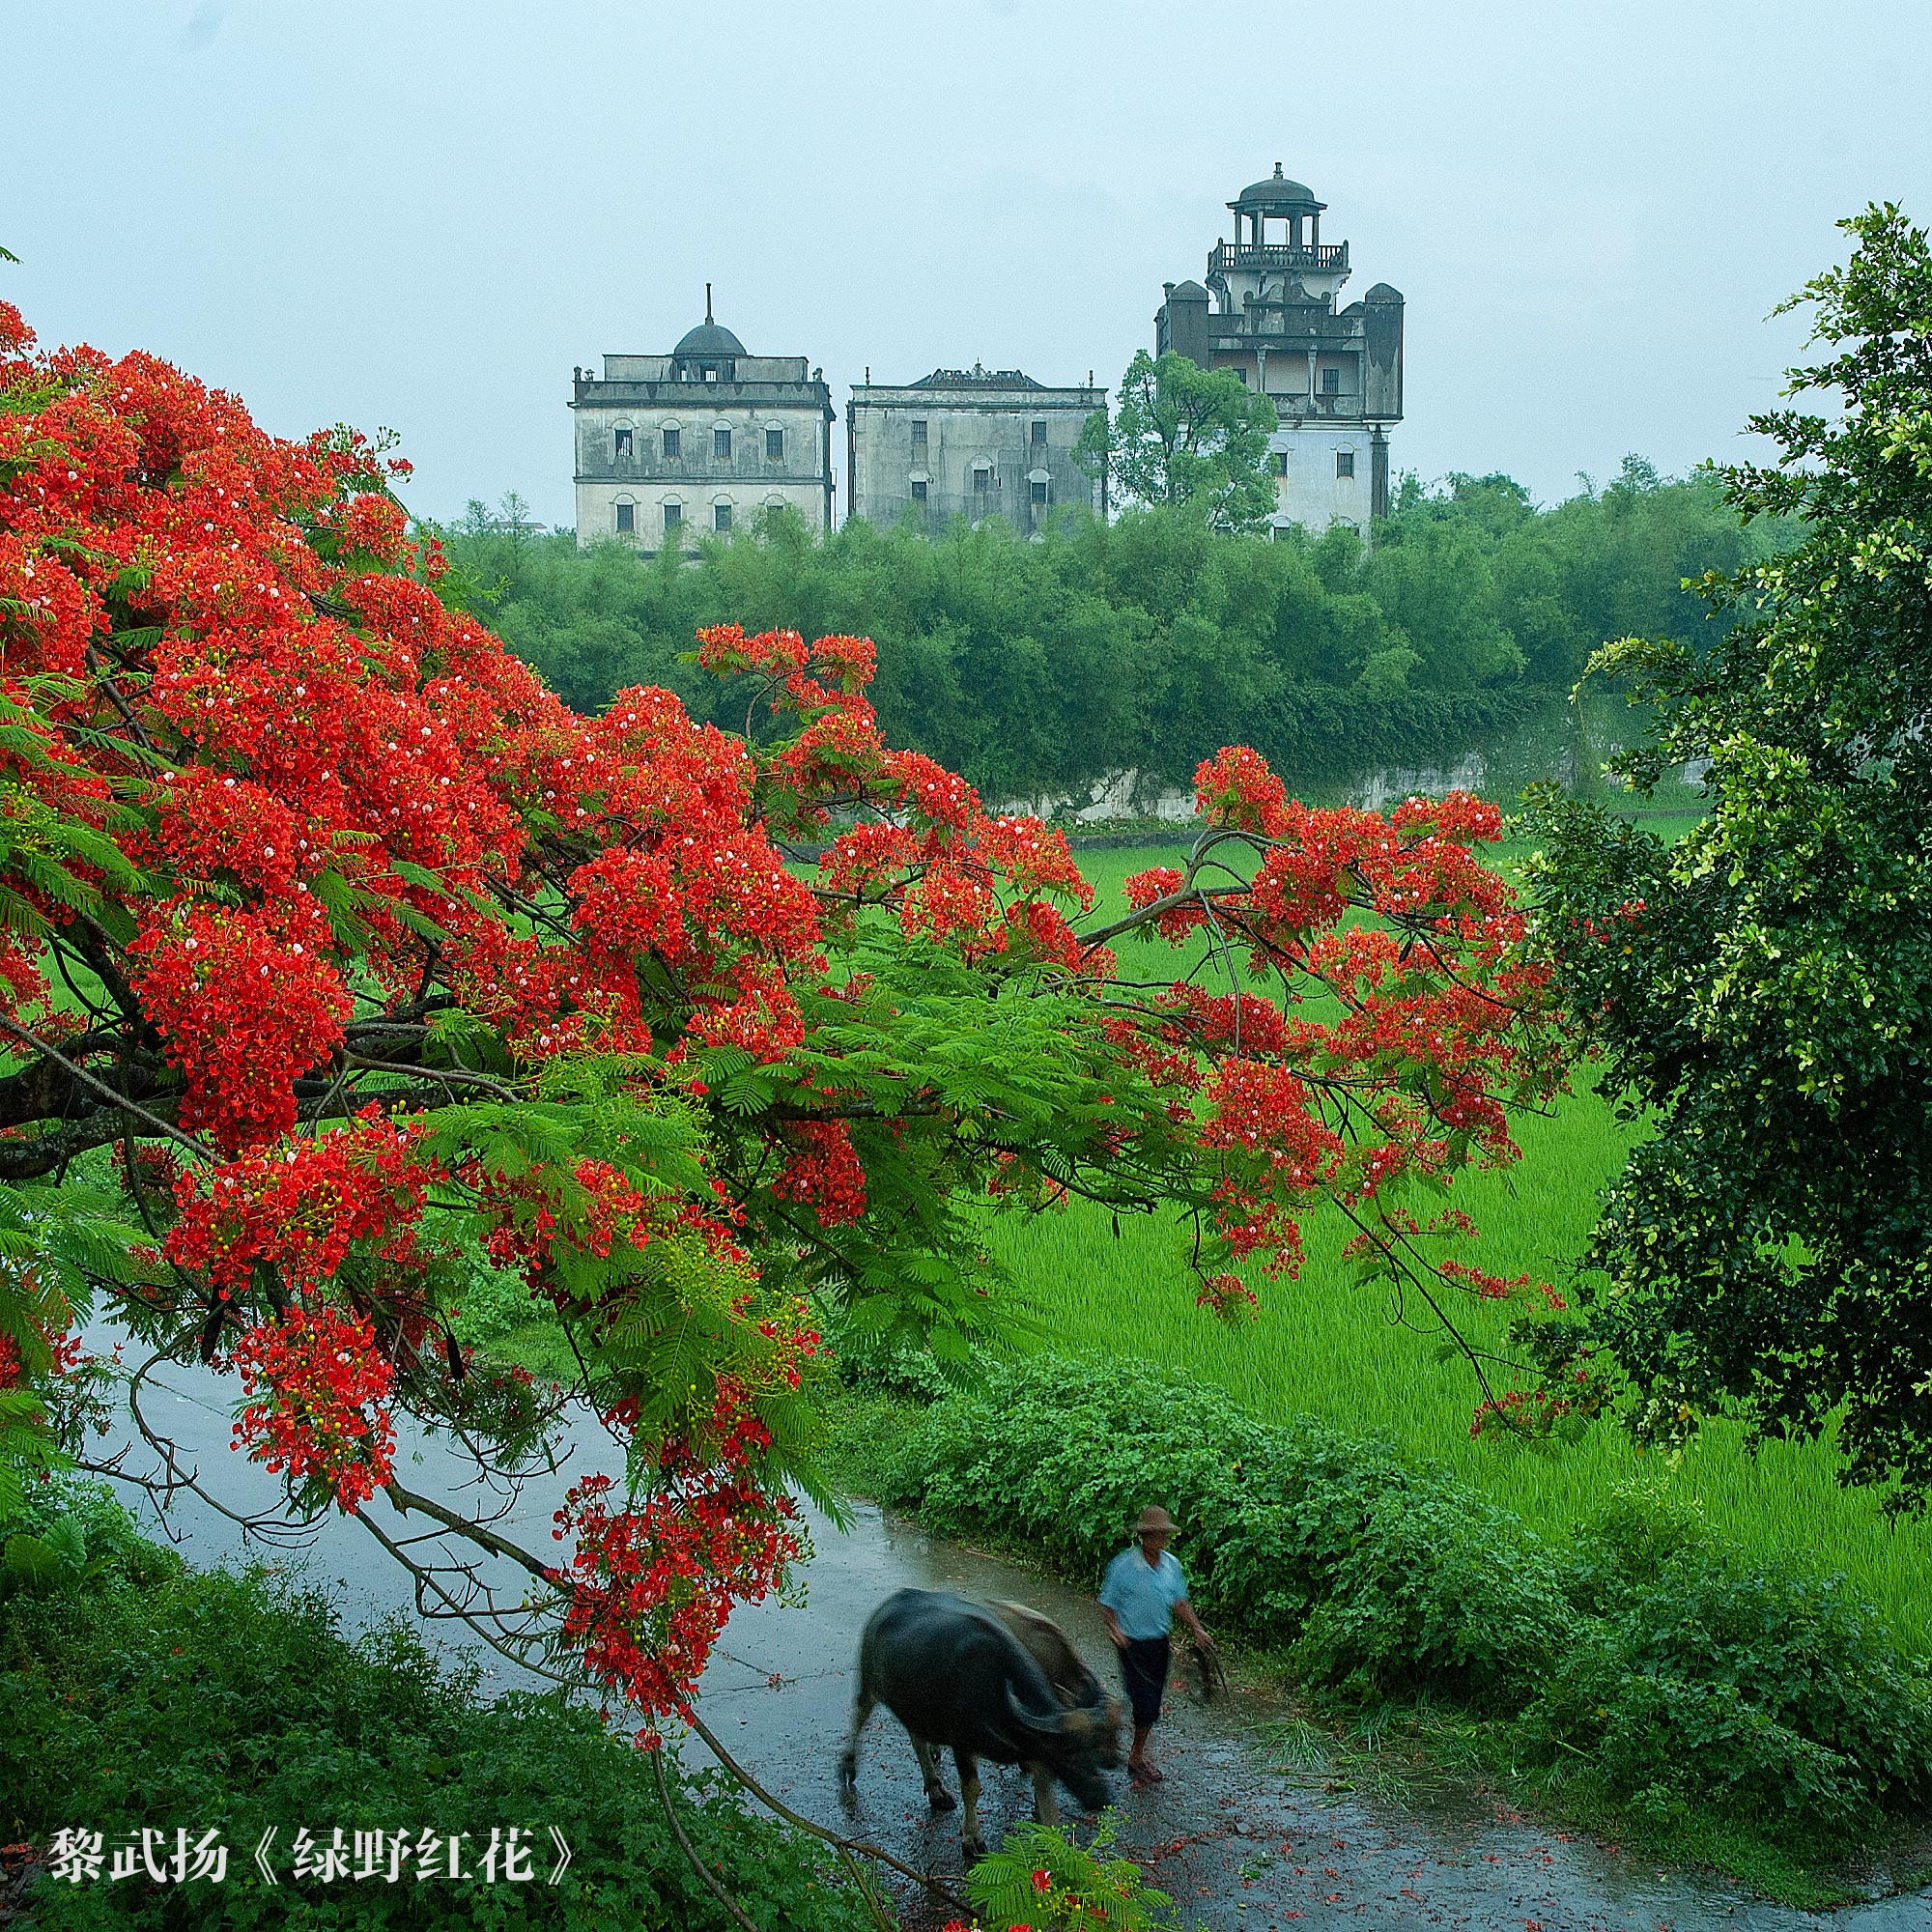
x=708, y=353
x=1276, y=209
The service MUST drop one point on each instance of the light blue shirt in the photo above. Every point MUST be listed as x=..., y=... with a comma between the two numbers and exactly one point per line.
x=1142, y=1595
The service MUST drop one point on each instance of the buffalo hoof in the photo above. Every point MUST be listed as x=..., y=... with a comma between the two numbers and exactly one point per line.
x=941, y=1799
x=974, y=1849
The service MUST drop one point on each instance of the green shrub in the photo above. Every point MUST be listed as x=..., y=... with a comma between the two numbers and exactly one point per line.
x=1383, y=1577
x=1678, y=1677
x=65, y=1532
x=232, y=1703
x=1781, y=1696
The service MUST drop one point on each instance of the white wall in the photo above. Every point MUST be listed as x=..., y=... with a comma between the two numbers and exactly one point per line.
x=748, y=480
x=1311, y=494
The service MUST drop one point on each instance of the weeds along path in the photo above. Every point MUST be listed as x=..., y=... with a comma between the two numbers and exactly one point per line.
x=1324, y=1346
x=1240, y=1836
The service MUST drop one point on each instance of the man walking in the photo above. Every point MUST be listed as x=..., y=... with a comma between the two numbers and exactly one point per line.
x=1143, y=1589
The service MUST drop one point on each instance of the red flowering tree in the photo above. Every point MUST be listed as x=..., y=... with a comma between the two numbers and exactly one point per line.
x=336, y=954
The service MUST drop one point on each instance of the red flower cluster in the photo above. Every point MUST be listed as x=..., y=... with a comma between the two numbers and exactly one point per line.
x=243, y=1008
x=320, y=1412
x=1227, y=1296
x=300, y=1203
x=824, y=1172
x=650, y=1585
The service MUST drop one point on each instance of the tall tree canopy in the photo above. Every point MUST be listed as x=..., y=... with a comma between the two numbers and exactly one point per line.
x=1185, y=435
x=339, y=953
x=1766, y=984
x=1037, y=666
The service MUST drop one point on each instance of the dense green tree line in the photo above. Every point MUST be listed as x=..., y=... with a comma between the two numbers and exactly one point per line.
x=1040, y=665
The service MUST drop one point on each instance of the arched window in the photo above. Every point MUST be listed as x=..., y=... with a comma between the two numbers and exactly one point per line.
x=775, y=444
x=720, y=516
x=627, y=516
x=672, y=439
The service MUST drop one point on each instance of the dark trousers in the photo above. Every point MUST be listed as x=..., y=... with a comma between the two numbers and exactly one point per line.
x=1144, y=1666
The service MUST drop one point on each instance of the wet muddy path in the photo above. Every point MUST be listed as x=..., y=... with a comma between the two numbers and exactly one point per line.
x=1240, y=1844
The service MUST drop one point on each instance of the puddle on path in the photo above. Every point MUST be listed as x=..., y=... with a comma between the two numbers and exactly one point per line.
x=1241, y=1847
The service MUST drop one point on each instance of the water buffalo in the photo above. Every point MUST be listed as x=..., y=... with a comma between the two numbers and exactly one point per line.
x=1073, y=1683
x=957, y=1678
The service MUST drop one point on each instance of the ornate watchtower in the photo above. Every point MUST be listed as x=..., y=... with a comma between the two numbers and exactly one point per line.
x=1334, y=375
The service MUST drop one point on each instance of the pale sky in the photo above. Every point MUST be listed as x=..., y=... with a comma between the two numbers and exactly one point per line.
x=420, y=215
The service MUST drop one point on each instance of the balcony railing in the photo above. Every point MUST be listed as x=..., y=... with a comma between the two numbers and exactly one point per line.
x=1300, y=405
x=1329, y=258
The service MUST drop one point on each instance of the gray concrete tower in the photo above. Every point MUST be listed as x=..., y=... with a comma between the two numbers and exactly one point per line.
x=968, y=442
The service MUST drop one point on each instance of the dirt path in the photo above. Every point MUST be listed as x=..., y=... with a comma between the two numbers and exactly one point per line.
x=1238, y=1843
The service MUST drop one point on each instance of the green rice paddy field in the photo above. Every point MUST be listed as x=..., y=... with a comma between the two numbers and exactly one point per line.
x=1327, y=1347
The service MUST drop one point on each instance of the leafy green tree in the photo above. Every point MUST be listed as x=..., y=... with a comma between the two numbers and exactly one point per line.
x=1036, y=667
x=1185, y=435
x=1765, y=985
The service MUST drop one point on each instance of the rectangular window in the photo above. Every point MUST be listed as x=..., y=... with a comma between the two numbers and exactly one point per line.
x=919, y=435
x=721, y=444
x=1040, y=435
x=721, y=517
x=627, y=517
x=982, y=477
x=1331, y=382
x=1345, y=462
x=918, y=493
x=623, y=444
x=1278, y=463
x=670, y=445
x=673, y=517
x=1040, y=493
x=775, y=445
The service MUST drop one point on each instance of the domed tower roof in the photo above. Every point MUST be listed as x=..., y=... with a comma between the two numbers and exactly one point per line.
x=1277, y=195
x=709, y=338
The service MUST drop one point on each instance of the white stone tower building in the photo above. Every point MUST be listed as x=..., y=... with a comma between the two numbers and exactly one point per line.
x=702, y=438
x=1334, y=375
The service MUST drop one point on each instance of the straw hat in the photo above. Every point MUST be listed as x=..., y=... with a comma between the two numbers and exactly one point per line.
x=1154, y=1517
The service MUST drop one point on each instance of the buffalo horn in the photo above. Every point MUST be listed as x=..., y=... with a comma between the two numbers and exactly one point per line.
x=1033, y=1720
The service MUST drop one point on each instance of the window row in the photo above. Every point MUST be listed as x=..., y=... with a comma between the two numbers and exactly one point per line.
x=671, y=444
x=627, y=524
x=1345, y=462
x=1035, y=435
x=984, y=480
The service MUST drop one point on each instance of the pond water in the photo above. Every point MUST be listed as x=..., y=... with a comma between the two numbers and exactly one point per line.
x=1241, y=1844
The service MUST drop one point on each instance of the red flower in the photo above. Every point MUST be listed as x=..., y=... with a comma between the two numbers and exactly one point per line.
x=321, y=1383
